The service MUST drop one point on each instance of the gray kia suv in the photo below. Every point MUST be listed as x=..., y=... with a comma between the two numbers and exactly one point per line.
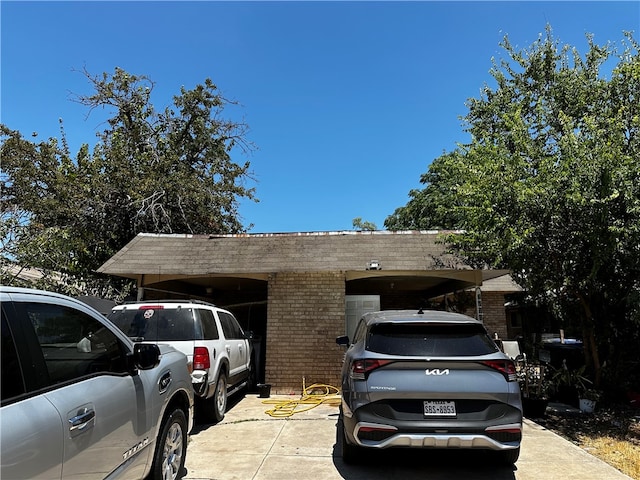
x=427, y=379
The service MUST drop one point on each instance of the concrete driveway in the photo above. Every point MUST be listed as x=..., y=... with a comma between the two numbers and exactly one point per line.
x=249, y=444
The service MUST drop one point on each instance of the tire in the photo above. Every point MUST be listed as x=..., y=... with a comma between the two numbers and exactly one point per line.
x=509, y=457
x=212, y=409
x=219, y=399
x=350, y=453
x=171, y=448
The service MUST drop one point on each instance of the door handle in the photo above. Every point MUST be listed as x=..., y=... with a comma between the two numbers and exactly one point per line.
x=82, y=420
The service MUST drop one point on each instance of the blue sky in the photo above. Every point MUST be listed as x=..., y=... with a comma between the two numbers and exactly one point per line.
x=347, y=102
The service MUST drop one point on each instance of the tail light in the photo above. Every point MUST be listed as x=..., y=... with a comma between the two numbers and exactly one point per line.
x=506, y=367
x=376, y=433
x=510, y=428
x=360, y=369
x=505, y=433
x=201, y=360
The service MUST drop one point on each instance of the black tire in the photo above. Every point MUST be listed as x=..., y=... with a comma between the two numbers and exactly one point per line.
x=171, y=448
x=350, y=453
x=212, y=409
x=219, y=399
x=509, y=457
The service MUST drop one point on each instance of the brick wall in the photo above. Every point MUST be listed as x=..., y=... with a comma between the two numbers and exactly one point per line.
x=305, y=314
x=494, y=318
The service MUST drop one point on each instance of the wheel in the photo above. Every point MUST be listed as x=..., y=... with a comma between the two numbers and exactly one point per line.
x=171, y=448
x=212, y=410
x=509, y=457
x=350, y=453
x=219, y=400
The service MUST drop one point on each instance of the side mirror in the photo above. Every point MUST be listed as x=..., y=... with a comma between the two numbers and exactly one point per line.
x=344, y=341
x=146, y=355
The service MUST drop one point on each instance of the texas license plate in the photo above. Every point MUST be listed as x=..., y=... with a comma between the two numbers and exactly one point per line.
x=439, y=408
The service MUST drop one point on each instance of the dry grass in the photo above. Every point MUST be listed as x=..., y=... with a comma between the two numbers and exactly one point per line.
x=620, y=453
x=611, y=434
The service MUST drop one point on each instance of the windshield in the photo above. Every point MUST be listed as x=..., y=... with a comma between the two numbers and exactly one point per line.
x=421, y=339
x=156, y=324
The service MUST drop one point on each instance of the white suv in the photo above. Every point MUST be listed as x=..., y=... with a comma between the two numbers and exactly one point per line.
x=218, y=350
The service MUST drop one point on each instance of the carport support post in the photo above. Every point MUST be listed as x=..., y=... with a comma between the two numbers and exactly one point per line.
x=479, y=312
x=140, y=295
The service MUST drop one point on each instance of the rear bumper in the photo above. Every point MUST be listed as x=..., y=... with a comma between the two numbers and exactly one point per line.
x=366, y=427
x=437, y=440
x=200, y=382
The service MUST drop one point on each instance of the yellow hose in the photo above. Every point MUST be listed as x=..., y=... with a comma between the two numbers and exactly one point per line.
x=312, y=396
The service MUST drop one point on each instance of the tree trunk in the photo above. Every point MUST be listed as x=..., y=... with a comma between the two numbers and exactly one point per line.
x=592, y=357
x=591, y=354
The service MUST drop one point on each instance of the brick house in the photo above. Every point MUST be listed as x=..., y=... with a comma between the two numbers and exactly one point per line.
x=297, y=292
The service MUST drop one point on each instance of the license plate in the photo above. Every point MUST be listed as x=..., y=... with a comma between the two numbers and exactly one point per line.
x=439, y=408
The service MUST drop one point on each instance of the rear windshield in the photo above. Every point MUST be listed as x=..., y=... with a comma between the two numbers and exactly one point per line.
x=153, y=324
x=430, y=340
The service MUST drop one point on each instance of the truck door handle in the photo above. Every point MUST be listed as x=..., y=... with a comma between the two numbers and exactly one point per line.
x=82, y=420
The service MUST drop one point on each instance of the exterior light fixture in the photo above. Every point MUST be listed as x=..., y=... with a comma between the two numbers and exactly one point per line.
x=374, y=265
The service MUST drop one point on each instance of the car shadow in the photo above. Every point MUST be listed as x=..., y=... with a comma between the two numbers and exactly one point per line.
x=410, y=464
x=201, y=425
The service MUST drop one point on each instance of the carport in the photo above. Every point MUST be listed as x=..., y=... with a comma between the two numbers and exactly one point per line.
x=292, y=289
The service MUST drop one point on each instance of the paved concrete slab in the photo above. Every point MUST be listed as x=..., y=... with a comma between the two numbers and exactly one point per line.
x=250, y=445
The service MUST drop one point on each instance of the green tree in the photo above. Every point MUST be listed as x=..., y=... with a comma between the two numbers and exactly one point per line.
x=431, y=207
x=549, y=187
x=360, y=224
x=157, y=172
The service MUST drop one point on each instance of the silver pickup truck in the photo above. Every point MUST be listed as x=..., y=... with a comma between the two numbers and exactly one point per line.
x=80, y=400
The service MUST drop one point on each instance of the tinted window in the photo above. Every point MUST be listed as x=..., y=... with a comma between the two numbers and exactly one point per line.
x=73, y=343
x=429, y=340
x=230, y=326
x=12, y=382
x=156, y=324
x=209, y=327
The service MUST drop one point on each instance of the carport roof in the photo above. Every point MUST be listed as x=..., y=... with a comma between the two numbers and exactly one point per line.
x=162, y=254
